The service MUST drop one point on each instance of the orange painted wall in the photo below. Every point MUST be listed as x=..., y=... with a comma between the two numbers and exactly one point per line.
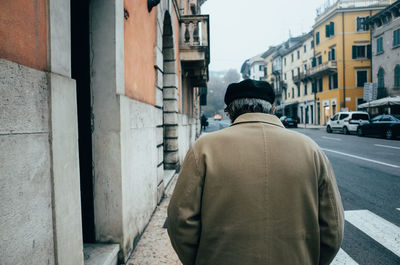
x=176, y=26
x=23, y=32
x=140, y=39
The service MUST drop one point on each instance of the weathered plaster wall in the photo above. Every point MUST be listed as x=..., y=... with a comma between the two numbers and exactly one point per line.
x=26, y=226
x=139, y=166
x=23, y=32
x=187, y=134
x=140, y=40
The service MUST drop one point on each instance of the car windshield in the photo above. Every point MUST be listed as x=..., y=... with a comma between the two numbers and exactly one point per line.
x=396, y=116
x=360, y=116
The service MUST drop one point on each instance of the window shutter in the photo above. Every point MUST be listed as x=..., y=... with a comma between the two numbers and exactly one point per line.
x=355, y=51
x=333, y=55
x=327, y=31
x=330, y=82
x=369, y=52
x=335, y=81
x=329, y=56
x=314, y=62
x=358, y=24
x=332, y=29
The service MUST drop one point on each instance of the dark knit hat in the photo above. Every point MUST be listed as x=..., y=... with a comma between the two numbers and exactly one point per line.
x=249, y=89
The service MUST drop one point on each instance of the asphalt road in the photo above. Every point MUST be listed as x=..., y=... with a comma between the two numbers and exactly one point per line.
x=368, y=175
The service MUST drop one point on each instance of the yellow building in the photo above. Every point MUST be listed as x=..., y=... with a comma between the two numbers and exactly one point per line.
x=342, y=64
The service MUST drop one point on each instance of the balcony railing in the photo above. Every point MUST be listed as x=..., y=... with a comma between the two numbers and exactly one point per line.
x=195, y=37
x=322, y=69
x=195, y=47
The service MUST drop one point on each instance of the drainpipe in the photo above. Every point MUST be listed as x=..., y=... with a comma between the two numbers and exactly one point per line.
x=370, y=43
x=344, y=63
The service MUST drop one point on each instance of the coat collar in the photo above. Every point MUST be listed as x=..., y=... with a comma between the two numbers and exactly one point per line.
x=258, y=117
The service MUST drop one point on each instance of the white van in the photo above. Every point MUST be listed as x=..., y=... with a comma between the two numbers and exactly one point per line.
x=347, y=122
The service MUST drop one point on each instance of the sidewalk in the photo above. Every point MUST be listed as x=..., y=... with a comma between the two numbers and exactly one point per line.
x=311, y=126
x=154, y=247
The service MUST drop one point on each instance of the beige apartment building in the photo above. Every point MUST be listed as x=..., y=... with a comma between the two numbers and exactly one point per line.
x=298, y=98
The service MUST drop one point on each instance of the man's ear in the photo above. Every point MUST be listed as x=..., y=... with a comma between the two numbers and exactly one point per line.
x=272, y=110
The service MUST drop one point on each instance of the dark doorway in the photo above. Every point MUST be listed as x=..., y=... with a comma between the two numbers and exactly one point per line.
x=80, y=59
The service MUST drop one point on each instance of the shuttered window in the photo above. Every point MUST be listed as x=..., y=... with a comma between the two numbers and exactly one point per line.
x=396, y=37
x=397, y=76
x=379, y=45
x=361, y=78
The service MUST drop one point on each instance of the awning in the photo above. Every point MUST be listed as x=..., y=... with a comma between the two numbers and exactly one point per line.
x=388, y=101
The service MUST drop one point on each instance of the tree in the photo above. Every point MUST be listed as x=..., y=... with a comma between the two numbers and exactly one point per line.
x=217, y=85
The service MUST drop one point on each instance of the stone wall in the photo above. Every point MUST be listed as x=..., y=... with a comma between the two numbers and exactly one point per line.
x=26, y=226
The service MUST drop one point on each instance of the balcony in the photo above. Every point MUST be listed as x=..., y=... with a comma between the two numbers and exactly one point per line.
x=323, y=69
x=297, y=79
x=195, y=47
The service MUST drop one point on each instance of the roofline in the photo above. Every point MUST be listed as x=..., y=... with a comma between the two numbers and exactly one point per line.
x=346, y=10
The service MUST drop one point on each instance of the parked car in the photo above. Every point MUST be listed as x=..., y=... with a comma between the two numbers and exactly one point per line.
x=347, y=122
x=387, y=126
x=288, y=121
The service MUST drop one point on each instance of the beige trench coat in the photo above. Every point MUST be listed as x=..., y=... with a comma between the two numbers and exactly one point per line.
x=256, y=193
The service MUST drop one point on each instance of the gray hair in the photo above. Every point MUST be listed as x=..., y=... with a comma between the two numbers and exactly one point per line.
x=247, y=105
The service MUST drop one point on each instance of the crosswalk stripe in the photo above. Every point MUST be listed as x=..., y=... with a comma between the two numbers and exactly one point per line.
x=382, y=231
x=342, y=258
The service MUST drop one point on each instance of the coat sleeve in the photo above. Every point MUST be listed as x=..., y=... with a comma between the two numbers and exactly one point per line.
x=331, y=216
x=184, y=222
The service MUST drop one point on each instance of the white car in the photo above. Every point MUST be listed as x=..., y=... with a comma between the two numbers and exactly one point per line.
x=347, y=122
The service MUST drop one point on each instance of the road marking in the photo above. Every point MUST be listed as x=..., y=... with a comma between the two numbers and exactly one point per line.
x=342, y=258
x=331, y=138
x=387, y=146
x=382, y=231
x=361, y=158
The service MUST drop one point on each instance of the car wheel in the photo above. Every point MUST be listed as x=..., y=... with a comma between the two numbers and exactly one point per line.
x=389, y=134
x=345, y=131
x=360, y=132
x=328, y=129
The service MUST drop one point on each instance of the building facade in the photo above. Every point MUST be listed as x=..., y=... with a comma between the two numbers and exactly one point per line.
x=99, y=104
x=385, y=27
x=342, y=62
x=298, y=96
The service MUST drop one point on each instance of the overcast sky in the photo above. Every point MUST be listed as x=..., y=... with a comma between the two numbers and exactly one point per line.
x=241, y=29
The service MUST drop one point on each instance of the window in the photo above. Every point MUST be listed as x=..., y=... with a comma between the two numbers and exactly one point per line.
x=305, y=48
x=333, y=81
x=285, y=76
x=361, y=78
x=381, y=78
x=314, y=87
x=320, y=85
x=284, y=61
x=314, y=62
x=292, y=92
x=332, y=55
x=319, y=59
x=361, y=51
x=362, y=24
x=292, y=57
x=397, y=76
x=298, y=54
x=396, y=38
x=305, y=68
x=336, y=117
x=261, y=67
x=312, y=44
x=379, y=45
x=343, y=116
x=292, y=74
x=317, y=38
x=330, y=30
x=305, y=89
x=298, y=91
